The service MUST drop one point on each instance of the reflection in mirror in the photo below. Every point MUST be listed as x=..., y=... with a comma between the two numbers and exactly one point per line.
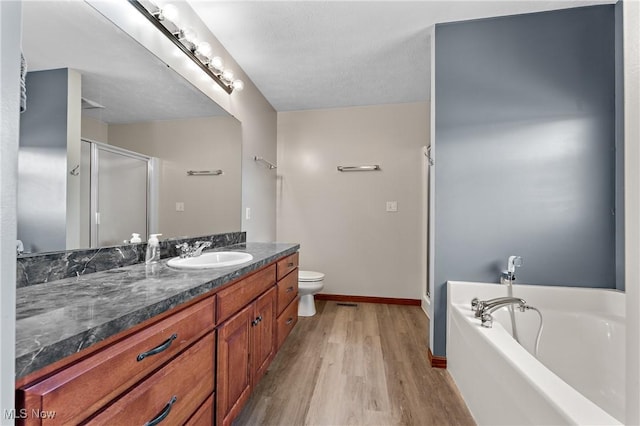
x=143, y=126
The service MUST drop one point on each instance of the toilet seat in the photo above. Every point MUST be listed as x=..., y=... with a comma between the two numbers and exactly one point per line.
x=310, y=276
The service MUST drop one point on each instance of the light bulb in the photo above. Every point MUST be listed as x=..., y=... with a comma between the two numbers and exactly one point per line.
x=204, y=49
x=171, y=13
x=189, y=34
x=216, y=63
x=227, y=75
x=237, y=85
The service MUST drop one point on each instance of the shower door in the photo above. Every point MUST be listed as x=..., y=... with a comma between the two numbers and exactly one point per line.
x=119, y=195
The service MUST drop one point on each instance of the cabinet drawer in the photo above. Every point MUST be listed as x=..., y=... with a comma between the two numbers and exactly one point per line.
x=240, y=294
x=204, y=415
x=287, y=290
x=287, y=320
x=81, y=389
x=175, y=391
x=287, y=265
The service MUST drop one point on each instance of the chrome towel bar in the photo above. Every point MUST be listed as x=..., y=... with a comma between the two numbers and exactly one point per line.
x=204, y=172
x=369, y=168
x=265, y=162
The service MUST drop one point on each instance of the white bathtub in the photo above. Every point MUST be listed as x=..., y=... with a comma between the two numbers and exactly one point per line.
x=579, y=375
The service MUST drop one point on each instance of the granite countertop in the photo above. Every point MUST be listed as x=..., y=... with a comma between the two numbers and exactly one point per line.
x=57, y=319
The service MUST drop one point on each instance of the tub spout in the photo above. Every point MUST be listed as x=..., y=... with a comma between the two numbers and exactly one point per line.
x=480, y=306
x=505, y=301
x=493, y=305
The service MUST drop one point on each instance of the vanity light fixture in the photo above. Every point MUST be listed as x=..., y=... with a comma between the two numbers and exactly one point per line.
x=167, y=20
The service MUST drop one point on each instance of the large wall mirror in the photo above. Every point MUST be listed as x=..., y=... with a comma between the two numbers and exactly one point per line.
x=109, y=135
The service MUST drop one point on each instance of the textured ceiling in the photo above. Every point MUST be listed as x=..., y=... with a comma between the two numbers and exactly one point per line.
x=117, y=72
x=327, y=54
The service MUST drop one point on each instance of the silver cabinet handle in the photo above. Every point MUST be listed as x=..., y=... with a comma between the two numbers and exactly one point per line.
x=163, y=414
x=158, y=349
x=256, y=321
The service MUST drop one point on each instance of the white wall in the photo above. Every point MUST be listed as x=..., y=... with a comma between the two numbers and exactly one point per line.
x=94, y=130
x=74, y=120
x=249, y=106
x=212, y=204
x=259, y=123
x=631, y=23
x=340, y=218
x=10, y=30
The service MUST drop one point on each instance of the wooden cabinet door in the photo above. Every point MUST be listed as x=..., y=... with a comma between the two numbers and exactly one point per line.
x=234, y=372
x=264, y=328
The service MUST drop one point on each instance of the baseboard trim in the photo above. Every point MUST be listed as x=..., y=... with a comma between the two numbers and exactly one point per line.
x=437, y=361
x=367, y=299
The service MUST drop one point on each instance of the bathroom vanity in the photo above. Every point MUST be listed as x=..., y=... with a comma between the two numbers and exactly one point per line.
x=144, y=344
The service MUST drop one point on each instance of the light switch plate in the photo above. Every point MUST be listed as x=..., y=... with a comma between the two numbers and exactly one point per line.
x=180, y=206
x=392, y=206
x=247, y=213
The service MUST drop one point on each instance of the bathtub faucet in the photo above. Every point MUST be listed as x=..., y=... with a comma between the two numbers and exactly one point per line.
x=479, y=306
x=485, y=308
x=508, y=276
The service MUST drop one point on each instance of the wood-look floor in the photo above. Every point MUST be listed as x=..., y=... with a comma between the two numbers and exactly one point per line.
x=364, y=365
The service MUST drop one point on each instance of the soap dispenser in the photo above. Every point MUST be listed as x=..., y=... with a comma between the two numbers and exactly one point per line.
x=153, y=249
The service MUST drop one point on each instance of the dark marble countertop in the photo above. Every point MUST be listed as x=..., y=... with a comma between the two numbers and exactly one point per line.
x=59, y=318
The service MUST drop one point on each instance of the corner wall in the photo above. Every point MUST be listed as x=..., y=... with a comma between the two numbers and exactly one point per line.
x=340, y=218
x=524, y=151
x=631, y=22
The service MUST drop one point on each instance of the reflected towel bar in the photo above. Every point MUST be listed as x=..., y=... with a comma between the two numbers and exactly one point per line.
x=204, y=172
x=265, y=162
x=370, y=168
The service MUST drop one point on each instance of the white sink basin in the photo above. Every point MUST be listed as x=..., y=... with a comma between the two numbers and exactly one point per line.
x=213, y=259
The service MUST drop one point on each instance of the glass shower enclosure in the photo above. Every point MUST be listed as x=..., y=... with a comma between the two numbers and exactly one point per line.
x=117, y=196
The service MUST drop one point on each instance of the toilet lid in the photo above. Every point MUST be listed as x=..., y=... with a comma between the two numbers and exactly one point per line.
x=307, y=276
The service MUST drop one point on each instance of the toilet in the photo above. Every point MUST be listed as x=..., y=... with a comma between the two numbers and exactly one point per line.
x=309, y=283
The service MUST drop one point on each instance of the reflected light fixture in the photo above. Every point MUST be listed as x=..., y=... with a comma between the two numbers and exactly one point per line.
x=167, y=19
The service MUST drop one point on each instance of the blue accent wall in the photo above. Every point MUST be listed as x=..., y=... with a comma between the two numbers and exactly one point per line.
x=525, y=151
x=619, y=147
x=42, y=162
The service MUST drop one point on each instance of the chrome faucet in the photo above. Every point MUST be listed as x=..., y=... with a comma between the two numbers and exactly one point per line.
x=478, y=306
x=484, y=308
x=199, y=246
x=188, y=251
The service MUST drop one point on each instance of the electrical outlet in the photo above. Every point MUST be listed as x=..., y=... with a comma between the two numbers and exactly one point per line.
x=247, y=213
x=180, y=206
x=392, y=206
